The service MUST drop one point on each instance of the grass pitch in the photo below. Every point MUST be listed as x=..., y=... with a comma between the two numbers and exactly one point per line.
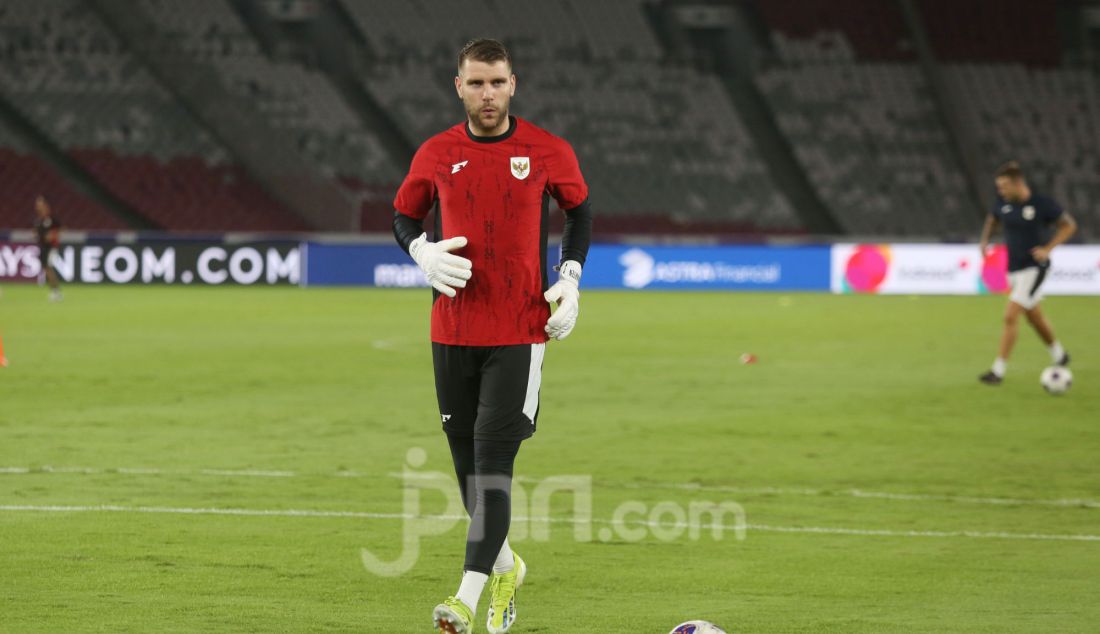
x=214, y=460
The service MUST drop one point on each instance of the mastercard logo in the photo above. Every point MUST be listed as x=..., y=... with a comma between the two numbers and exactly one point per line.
x=995, y=271
x=866, y=268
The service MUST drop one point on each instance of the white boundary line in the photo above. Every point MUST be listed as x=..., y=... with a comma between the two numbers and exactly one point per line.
x=643, y=486
x=232, y=473
x=817, y=530
x=824, y=493
x=882, y=495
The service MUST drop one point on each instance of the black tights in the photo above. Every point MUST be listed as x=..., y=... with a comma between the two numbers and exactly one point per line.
x=484, y=470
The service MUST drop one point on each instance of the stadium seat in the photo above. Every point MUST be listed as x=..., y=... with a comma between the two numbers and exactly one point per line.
x=75, y=81
x=862, y=120
x=659, y=137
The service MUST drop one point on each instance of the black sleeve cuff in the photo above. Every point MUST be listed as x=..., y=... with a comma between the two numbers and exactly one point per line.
x=576, y=236
x=406, y=229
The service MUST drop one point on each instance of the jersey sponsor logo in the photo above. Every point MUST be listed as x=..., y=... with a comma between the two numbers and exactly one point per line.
x=1029, y=213
x=457, y=167
x=1005, y=209
x=521, y=166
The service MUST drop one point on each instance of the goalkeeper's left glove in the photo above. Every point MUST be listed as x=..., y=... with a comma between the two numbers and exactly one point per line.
x=566, y=294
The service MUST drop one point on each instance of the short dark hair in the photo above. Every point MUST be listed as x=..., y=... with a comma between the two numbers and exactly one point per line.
x=486, y=50
x=1011, y=170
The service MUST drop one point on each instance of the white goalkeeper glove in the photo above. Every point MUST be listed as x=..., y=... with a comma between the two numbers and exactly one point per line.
x=566, y=294
x=444, y=270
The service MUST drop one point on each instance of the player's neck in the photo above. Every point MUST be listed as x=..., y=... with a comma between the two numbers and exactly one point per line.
x=500, y=130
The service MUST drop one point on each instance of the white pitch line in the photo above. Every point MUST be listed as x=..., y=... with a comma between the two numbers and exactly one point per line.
x=248, y=473
x=818, y=530
x=866, y=532
x=643, y=486
x=112, y=508
x=855, y=493
x=232, y=473
x=859, y=493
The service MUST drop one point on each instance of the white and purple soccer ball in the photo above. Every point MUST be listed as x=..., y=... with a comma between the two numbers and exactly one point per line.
x=1056, y=379
x=697, y=627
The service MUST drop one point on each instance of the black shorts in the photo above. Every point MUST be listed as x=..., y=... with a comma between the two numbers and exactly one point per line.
x=488, y=393
x=44, y=251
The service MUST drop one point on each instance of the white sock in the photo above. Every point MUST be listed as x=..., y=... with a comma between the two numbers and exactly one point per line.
x=999, y=365
x=505, y=561
x=1057, y=351
x=470, y=590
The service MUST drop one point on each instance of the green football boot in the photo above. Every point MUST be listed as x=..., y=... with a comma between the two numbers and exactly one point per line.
x=502, y=602
x=453, y=617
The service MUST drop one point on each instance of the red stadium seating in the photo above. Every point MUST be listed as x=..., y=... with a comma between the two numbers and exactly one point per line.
x=23, y=178
x=1010, y=31
x=187, y=194
x=875, y=28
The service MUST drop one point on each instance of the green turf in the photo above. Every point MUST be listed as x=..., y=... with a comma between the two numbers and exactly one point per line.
x=875, y=394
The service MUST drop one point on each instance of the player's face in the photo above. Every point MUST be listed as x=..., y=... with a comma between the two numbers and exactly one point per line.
x=486, y=89
x=1010, y=189
x=41, y=207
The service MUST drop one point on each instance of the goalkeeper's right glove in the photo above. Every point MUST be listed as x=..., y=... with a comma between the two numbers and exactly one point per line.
x=444, y=270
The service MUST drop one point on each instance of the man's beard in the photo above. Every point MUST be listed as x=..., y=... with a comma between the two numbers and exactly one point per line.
x=477, y=123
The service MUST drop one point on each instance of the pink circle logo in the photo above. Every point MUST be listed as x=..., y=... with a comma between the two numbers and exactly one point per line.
x=867, y=268
x=995, y=270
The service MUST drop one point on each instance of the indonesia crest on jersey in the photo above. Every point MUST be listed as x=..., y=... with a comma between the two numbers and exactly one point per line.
x=496, y=192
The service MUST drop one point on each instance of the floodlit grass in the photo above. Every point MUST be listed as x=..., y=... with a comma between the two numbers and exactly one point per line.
x=884, y=488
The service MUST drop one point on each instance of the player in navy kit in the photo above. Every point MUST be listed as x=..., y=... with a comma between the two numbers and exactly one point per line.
x=47, y=229
x=1026, y=217
x=490, y=180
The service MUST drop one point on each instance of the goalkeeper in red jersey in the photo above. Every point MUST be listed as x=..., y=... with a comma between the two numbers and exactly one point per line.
x=490, y=180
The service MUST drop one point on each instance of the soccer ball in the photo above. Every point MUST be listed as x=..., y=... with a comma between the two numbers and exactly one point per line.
x=697, y=627
x=1056, y=379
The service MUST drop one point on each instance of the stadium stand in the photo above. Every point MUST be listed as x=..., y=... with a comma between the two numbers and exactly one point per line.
x=867, y=132
x=868, y=137
x=1048, y=119
x=292, y=97
x=660, y=138
x=863, y=29
x=1003, y=62
x=24, y=177
x=1006, y=31
x=75, y=81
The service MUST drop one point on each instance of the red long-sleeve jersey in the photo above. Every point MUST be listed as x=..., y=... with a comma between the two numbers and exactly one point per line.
x=495, y=191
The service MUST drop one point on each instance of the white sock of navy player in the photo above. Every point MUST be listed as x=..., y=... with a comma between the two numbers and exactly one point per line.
x=505, y=561
x=473, y=583
x=1057, y=351
x=999, y=366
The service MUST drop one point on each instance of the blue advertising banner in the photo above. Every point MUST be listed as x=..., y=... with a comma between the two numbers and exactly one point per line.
x=700, y=268
x=359, y=265
x=608, y=266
